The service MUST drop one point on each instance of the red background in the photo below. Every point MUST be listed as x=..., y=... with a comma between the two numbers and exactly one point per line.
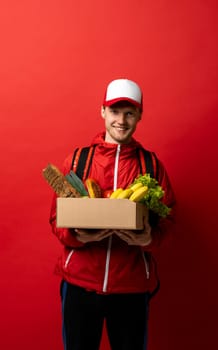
x=56, y=59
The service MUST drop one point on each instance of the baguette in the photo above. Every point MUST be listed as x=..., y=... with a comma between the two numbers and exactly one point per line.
x=58, y=182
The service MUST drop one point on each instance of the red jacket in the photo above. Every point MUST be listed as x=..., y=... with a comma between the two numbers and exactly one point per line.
x=111, y=265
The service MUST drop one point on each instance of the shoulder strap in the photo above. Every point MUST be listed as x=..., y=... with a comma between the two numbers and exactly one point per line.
x=148, y=162
x=81, y=161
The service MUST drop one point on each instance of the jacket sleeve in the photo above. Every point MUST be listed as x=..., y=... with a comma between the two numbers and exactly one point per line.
x=162, y=228
x=66, y=236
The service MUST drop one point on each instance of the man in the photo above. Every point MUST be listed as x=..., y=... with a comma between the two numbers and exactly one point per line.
x=110, y=275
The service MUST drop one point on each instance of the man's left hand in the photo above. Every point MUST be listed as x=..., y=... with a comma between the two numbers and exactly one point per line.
x=140, y=238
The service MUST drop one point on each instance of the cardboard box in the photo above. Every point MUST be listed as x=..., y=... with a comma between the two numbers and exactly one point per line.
x=100, y=213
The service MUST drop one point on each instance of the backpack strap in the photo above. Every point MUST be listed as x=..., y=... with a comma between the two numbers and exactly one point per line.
x=81, y=161
x=148, y=162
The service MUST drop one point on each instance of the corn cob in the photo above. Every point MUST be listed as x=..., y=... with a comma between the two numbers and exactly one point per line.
x=93, y=188
x=139, y=194
x=75, y=182
x=58, y=182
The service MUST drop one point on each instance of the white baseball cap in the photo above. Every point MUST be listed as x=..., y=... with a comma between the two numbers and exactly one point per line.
x=123, y=90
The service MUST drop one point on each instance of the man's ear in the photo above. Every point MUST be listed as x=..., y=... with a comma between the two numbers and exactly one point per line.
x=103, y=112
x=140, y=115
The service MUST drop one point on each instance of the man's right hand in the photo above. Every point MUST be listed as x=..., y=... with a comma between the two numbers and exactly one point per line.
x=86, y=236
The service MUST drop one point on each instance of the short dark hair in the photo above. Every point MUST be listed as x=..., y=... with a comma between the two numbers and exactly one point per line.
x=122, y=104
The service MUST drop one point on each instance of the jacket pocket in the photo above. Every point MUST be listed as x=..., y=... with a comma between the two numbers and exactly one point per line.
x=146, y=262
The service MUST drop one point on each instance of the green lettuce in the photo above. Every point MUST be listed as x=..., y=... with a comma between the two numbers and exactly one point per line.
x=154, y=195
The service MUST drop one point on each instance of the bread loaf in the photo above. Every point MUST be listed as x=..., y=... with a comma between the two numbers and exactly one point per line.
x=58, y=182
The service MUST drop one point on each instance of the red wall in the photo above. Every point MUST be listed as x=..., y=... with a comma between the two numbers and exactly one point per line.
x=56, y=59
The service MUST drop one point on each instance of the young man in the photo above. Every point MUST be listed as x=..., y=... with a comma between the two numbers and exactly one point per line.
x=109, y=275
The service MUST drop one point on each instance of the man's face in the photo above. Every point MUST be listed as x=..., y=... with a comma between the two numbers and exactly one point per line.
x=120, y=122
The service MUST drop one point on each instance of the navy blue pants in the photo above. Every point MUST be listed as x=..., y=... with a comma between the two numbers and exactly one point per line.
x=84, y=313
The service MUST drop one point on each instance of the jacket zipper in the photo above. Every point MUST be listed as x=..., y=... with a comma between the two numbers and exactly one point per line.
x=68, y=258
x=146, y=266
x=116, y=167
x=107, y=263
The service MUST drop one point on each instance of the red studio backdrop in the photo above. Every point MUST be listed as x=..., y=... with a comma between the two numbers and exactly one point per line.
x=56, y=59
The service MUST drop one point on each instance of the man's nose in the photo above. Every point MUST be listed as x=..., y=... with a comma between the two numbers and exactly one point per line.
x=122, y=117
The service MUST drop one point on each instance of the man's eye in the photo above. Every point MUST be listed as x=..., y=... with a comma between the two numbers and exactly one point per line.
x=114, y=111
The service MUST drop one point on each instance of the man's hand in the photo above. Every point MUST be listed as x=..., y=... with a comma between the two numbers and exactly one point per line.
x=140, y=238
x=86, y=236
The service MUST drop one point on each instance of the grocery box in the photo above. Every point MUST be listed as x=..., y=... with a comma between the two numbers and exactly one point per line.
x=100, y=213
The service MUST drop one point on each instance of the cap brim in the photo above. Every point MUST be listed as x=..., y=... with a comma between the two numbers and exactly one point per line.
x=114, y=101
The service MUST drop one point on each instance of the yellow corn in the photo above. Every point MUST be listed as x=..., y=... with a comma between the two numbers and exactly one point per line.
x=139, y=194
x=93, y=188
